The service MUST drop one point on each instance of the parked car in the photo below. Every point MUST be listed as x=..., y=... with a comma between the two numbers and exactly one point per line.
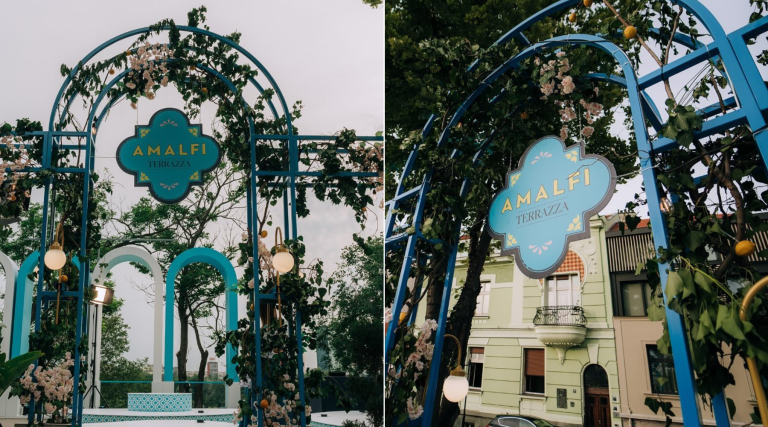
x=518, y=421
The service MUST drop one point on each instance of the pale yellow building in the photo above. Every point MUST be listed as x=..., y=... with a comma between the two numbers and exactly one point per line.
x=640, y=364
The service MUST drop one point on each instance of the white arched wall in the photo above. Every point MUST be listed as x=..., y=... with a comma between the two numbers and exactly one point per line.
x=9, y=406
x=105, y=264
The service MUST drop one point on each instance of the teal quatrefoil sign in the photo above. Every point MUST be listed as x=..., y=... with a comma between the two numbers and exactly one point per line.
x=169, y=155
x=546, y=203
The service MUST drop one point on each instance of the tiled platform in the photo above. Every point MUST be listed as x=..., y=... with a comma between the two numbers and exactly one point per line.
x=334, y=419
x=212, y=417
x=170, y=423
x=160, y=402
x=115, y=417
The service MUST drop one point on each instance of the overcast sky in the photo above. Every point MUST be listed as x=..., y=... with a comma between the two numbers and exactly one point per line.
x=328, y=54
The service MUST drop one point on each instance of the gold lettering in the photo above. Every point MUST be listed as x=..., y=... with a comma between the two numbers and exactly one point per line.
x=181, y=150
x=586, y=176
x=169, y=152
x=507, y=206
x=557, y=191
x=203, y=145
x=138, y=152
x=572, y=180
x=526, y=199
x=194, y=149
x=151, y=150
x=542, y=194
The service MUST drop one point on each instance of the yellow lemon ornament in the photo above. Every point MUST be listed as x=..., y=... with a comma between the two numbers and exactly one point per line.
x=572, y=17
x=587, y=3
x=745, y=248
x=630, y=32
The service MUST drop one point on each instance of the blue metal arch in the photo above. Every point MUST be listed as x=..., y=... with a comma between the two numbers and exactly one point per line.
x=749, y=89
x=220, y=262
x=181, y=28
x=288, y=177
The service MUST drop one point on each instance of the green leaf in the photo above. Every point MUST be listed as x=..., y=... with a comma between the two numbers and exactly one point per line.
x=681, y=121
x=731, y=406
x=685, y=139
x=639, y=269
x=652, y=404
x=731, y=328
x=674, y=285
x=688, y=285
x=722, y=314
x=703, y=281
x=694, y=239
x=11, y=370
x=669, y=132
x=656, y=312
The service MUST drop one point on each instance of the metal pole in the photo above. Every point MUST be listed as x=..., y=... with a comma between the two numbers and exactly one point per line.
x=470, y=367
x=757, y=382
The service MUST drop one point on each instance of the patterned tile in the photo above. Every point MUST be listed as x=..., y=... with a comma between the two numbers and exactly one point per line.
x=160, y=402
x=94, y=418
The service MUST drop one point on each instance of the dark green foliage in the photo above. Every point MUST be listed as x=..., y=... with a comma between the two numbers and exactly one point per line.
x=352, y=334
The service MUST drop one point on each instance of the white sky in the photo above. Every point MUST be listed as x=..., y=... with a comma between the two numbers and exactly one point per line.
x=327, y=54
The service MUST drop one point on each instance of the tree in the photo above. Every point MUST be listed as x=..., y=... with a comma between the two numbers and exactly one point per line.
x=430, y=47
x=177, y=228
x=354, y=327
x=114, y=365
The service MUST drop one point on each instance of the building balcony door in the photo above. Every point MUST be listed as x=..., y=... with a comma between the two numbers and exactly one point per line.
x=597, y=404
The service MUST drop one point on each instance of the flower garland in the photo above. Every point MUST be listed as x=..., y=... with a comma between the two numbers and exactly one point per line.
x=556, y=83
x=51, y=388
x=412, y=357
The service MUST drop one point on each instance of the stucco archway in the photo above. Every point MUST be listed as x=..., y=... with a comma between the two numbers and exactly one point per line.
x=224, y=266
x=9, y=406
x=100, y=272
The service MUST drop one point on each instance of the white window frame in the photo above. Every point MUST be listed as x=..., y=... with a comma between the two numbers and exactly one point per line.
x=471, y=355
x=483, y=303
x=577, y=290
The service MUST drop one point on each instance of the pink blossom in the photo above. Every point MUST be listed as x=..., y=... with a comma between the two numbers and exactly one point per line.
x=587, y=131
x=568, y=85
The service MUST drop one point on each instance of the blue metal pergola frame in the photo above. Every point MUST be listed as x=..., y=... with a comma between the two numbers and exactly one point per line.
x=748, y=106
x=287, y=180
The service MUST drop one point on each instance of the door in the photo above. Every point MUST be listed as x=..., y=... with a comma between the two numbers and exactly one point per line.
x=597, y=408
x=597, y=404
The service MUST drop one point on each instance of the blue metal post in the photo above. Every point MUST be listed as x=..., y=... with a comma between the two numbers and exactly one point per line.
x=435, y=369
x=405, y=272
x=256, y=390
x=300, y=361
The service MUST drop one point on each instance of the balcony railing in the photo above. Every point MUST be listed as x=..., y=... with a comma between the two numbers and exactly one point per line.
x=562, y=315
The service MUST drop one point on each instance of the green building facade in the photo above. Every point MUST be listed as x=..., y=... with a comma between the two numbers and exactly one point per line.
x=544, y=348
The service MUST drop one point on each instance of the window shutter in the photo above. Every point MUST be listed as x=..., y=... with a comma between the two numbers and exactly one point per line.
x=534, y=362
x=477, y=354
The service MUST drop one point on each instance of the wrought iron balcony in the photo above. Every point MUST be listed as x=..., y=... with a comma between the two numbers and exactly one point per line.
x=560, y=327
x=561, y=315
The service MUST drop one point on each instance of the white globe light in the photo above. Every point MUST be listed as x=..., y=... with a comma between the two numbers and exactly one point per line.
x=455, y=387
x=55, y=258
x=283, y=262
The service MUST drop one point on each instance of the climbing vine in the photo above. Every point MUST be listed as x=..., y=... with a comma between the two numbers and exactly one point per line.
x=188, y=64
